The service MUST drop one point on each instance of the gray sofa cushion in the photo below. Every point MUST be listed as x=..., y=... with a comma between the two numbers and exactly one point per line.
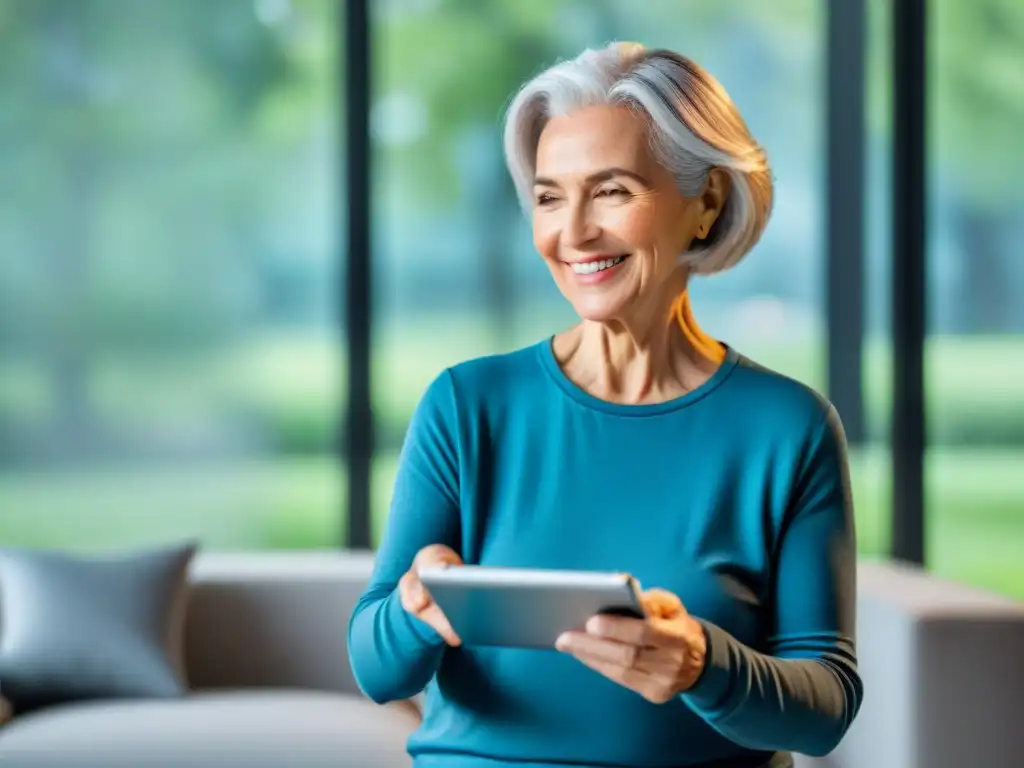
x=85, y=627
x=255, y=729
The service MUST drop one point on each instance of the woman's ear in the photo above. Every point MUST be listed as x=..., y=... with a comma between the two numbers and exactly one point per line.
x=712, y=200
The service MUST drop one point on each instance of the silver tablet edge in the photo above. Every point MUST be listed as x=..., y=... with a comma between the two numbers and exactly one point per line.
x=524, y=577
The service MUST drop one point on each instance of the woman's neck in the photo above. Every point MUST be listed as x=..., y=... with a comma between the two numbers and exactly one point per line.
x=640, y=363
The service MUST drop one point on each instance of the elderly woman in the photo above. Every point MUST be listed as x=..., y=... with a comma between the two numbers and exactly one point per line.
x=631, y=442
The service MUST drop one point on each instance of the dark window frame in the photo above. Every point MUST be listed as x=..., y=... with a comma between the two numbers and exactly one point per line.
x=909, y=260
x=357, y=429
x=845, y=100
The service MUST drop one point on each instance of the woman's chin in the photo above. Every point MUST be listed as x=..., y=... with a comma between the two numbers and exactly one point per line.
x=598, y=311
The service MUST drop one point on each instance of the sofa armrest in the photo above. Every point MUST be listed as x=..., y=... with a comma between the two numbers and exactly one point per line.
x=273, y=619
x=942, y=669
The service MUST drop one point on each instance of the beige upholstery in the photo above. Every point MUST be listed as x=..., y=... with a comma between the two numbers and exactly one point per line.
x=943, y=669
x=254, y=729
x=273, y=619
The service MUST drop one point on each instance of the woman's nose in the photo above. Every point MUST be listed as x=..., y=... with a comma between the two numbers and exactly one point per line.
x=580, y=227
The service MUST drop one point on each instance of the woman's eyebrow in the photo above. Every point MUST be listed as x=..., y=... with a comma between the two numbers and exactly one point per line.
x=604, y=174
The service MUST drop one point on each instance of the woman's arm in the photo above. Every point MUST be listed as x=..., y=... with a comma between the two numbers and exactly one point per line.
x=392, y=653
x=802, y=694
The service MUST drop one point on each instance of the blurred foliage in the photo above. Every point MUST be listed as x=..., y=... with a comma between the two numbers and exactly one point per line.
x=134, y=135
x=976, y=95
x=127, y=123
x=168, y=246
x=500, y=44
x=975, y=91
x=116, y=116
x=456, y=91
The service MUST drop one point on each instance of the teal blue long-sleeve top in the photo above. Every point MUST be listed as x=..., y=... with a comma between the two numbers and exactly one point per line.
x=734, y=496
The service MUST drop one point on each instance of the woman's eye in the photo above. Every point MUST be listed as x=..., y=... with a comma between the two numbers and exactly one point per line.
x=544, y=198
x=614, y=192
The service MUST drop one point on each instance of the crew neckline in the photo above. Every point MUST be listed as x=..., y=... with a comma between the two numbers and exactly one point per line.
x=581, y=396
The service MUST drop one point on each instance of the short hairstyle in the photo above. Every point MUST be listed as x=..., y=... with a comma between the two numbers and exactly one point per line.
x=694, y=127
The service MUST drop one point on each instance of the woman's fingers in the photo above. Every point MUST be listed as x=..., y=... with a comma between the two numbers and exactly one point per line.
x=417, y=601
x=436, y=554
x=661, y=604
x=414, y=595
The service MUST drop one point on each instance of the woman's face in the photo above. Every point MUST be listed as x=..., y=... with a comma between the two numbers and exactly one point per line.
x=608, y=218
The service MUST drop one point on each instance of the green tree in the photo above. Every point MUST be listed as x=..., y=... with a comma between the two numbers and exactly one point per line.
x=462, y=60
x=975, y=103
x=126, y=133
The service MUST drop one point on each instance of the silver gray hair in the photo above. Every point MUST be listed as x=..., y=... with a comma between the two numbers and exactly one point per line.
x=694, y=127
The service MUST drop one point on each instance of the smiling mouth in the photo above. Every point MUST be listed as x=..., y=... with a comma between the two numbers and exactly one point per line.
x=591, y=267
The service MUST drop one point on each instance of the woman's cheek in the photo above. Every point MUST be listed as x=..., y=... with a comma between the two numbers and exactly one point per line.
x=634, y=224
x=545, y=239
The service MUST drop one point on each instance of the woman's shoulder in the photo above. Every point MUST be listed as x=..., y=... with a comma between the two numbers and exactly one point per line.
x=491, y=379
x=777, y=397
x=493, y=369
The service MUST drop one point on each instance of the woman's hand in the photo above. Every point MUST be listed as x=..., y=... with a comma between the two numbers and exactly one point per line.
x=659, y=657
x=415, y=597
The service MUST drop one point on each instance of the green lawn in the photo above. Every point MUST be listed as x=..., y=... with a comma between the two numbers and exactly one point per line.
x=976, y=508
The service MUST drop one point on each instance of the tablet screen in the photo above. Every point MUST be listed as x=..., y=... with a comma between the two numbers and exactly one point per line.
x=526, y=608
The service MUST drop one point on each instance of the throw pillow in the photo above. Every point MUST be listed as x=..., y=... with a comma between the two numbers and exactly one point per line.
x=74, y=627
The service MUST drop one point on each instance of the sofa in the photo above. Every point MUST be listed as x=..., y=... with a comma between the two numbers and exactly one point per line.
x=270, y=683
x=943, y=670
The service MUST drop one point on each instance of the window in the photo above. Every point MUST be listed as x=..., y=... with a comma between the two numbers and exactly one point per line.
x=171, y=356
x=873, y=467
x=975, y=346
x=168, y=243
x=456, y=272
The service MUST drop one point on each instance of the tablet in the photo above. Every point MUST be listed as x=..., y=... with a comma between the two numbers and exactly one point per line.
x=526, y=608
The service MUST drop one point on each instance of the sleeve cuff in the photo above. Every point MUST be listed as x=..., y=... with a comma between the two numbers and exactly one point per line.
x=712, y=690
x=412, y=626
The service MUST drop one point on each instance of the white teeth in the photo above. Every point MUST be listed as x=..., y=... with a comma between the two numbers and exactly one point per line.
x=590, y=267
